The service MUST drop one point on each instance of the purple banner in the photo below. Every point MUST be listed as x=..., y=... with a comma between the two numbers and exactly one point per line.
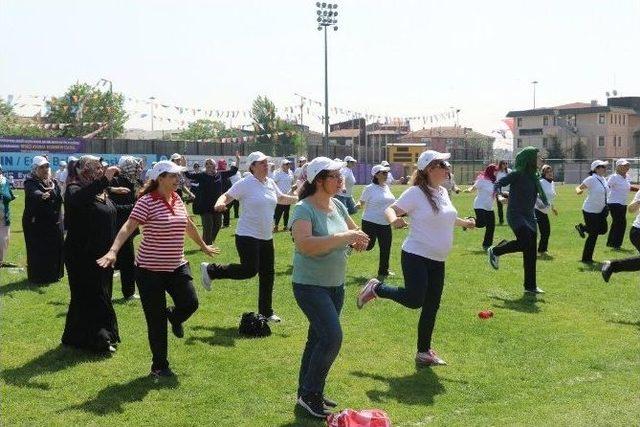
x=41, y=145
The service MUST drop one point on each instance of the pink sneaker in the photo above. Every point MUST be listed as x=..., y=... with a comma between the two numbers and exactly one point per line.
x=429, y=358
x=367, y=293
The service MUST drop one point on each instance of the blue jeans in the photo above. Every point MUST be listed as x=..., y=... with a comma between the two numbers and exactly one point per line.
x=423, y=281
x=321, y=305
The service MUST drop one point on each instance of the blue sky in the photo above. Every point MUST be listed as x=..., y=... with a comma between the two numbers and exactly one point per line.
x=401, y=58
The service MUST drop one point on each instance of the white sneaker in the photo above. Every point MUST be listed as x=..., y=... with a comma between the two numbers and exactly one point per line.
x=204, y=275
x=274, y=318
x=367, y=293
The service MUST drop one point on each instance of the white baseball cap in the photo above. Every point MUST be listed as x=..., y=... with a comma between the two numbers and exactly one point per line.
x=384, y=163
x=597, y=163
x=175, y=156
x=379, y=168
x=302, y=159
x=320, y=164
x=286, y=161
x=125, y=159
x=622, y=162
x=72, y=159
x=430, y=155
x=62, y=163
x=256, y=156
x=164, y=166
x=40, y=160
x=350, y=159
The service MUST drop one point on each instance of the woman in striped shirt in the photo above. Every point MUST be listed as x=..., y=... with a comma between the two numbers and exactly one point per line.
x=160, y=262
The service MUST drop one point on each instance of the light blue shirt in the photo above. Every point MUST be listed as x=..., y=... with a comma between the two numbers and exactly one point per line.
x=321, y=270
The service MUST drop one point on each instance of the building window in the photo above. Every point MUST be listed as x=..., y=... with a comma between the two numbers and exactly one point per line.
x=519, y=121
x=601, y=119
x=624, y=119
x=545, y=121
x=519, y=143
x=619, y=141
x=611, y=119
x=601, y=141
x=544, y=142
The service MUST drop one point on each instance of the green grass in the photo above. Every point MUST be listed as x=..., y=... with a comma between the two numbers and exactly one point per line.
x=571, y=357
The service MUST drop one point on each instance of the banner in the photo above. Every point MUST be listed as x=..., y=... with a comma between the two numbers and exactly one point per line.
x=62, y=145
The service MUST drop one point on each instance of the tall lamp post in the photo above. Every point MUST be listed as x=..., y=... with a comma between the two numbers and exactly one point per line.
x=534, y=83
x=327, y=16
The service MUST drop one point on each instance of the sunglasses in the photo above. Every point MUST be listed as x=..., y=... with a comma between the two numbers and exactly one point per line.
x=439, y=164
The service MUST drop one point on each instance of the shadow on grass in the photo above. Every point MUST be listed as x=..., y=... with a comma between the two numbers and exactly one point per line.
x=225, y=337
x=625, y=251
x=192, y=251
x=287, y=272
x=22, y=285
x=113, y=398
x=586, y=267
x=545, y=257
x=418, y=388
x=303, y=419
x=54, y=360
x=626, y=323
x=477, y=252
x=525, y=304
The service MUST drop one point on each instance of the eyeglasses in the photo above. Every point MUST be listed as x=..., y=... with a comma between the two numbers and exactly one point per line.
x=334, y=175
x=440, y=164
x=384, y=172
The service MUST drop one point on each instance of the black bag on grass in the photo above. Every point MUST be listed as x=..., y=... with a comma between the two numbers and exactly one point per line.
x=254, y=325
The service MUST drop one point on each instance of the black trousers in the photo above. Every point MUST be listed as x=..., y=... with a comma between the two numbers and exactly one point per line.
x=526, y=243
x=500, y=212
x=618, y=224
x=544, y=226
x=126, y=264
x=236, y=208
x=423, y=285
x=211, y=223
x=152, y=286
x=256, y=257
x=281, y=211
x=595, y=224
x=487, y=220
x=383, y=234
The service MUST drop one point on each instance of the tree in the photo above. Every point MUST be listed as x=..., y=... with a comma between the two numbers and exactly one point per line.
x=207, y=129
x=265, y=121
x=6, y=109
x=83, y=104
x=555, y=151
x=12, y=125
x=579, y=150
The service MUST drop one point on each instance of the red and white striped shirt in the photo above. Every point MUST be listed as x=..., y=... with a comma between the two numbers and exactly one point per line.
x=163, y=227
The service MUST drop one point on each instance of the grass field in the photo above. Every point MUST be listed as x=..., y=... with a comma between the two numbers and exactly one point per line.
x=570, y=357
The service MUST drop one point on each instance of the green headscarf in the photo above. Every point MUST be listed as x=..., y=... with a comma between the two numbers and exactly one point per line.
x=527, y=165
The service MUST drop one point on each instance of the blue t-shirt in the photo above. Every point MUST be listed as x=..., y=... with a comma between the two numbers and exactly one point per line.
x=321, y=270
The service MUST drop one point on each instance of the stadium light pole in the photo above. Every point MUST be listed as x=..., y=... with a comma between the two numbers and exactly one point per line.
x=534, y=83
x=327, y=16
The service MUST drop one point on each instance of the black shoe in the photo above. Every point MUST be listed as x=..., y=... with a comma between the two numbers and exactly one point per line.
x=580, y=229
x=606, y=271
x=328, y=403
x=161, y=373
x=176, y=328
x=313, y=404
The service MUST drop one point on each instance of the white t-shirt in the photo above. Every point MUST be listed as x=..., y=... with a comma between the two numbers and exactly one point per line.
x=484, y=198
x=549, y=189
x=258, y=202
x=596, y=199
x=636, y=222
x=283, y=180
x=500, y=175
x=619, y=188
x=430, y=234
x=235, y=178
x=376, y=199
x=297, y=172
x=349, y=181
x=390, y=178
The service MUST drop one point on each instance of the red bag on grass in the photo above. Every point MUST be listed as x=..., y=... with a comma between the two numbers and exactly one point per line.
x=364, y=418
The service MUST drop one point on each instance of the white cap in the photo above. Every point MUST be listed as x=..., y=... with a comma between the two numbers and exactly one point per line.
x=104, y=164
x=338, y=159
x=430, y=155
x=124, y=159
x=164, y=166
x=597, y=163
x=286, y=161
x=232, y=164
x=384, y=163
x=256, y=156
x=175, y=156
x=40, y=160
x=379, y=168
x=349, y=159
x=72, y=159
x=62, y=163
x=302, y=159
x=320, y=164
x=622, y=162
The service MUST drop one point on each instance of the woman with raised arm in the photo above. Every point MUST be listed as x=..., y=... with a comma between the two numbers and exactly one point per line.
x=594, y=208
